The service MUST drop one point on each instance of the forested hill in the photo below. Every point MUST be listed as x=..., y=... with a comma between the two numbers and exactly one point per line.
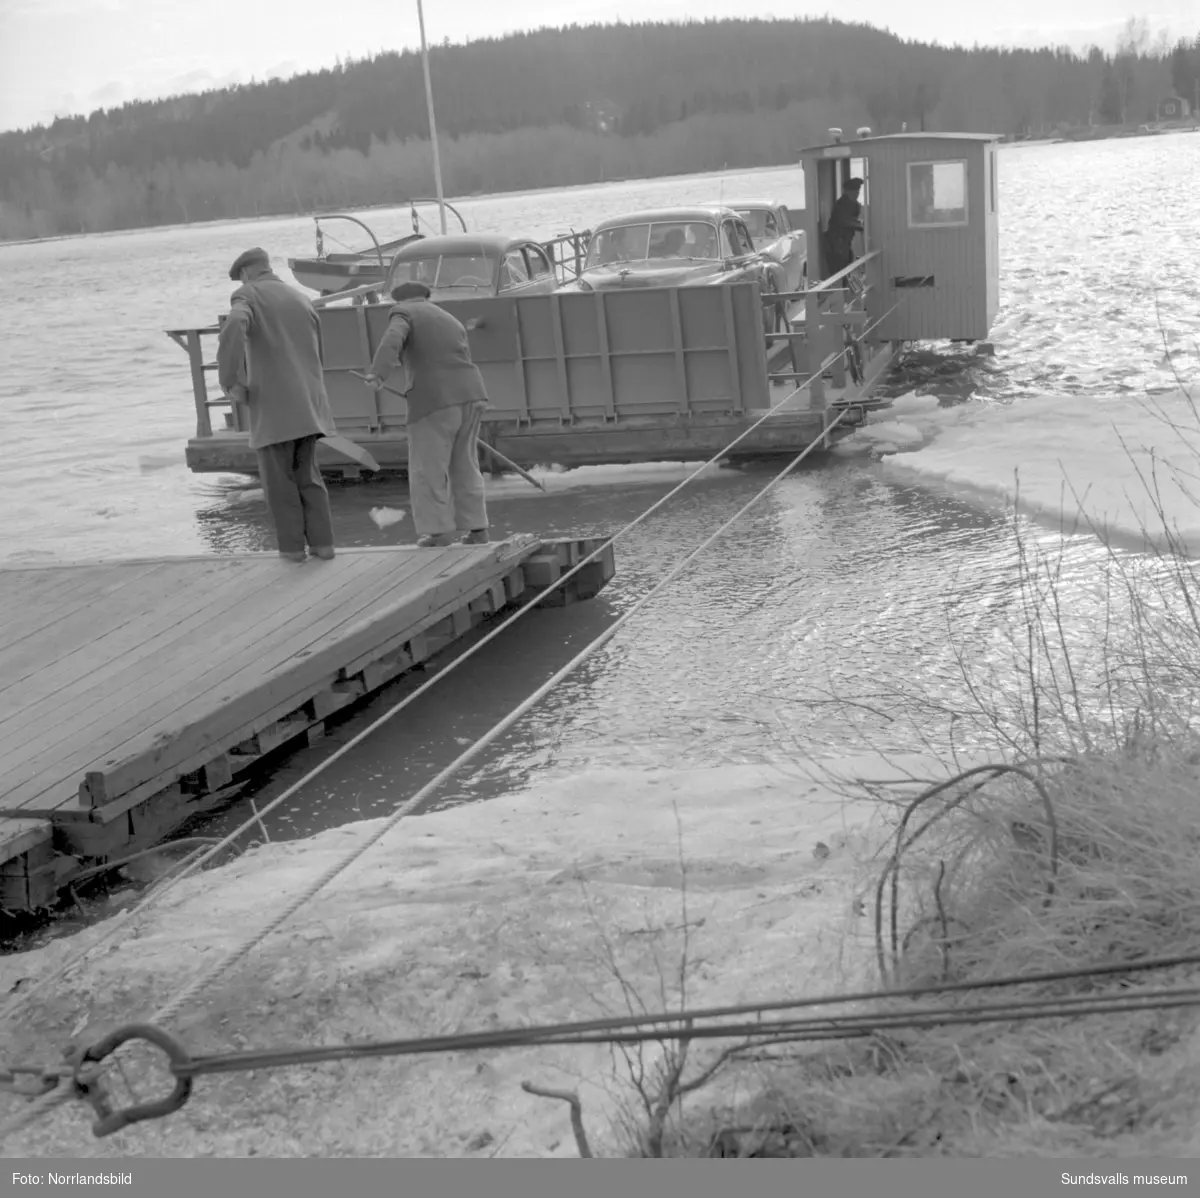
x=546, y=108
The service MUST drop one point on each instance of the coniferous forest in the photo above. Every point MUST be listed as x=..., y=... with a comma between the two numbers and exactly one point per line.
x=553, y=108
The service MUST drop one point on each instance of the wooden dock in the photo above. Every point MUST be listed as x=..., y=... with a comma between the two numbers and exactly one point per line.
x=135, y=694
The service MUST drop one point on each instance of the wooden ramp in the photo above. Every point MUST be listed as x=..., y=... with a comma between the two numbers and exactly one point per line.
x=133, y=694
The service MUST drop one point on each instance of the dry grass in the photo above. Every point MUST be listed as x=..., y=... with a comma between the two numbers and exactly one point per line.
x=1089, y=854
x=973, y=904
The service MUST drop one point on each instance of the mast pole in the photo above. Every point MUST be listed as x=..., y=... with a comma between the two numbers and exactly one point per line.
x=433, y=139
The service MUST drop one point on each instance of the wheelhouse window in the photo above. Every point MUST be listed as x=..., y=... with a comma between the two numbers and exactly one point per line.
x=937, y=194
x=660, y=239
x=458, y=272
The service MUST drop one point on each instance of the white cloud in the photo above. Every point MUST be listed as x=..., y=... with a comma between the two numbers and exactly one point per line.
x=282, y=70
x=112, y=95
x=199, y=80
x=61, y=8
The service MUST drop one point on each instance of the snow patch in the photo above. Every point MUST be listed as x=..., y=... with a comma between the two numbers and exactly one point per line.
x=1126, y=468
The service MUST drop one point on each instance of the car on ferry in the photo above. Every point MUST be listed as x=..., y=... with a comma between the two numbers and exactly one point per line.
x=773, y=229
x=674, y=247
x=474, y=265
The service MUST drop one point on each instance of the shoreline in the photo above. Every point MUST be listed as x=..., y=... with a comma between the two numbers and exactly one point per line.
x=1078, y=135
x=354, y=210
x=486, y=915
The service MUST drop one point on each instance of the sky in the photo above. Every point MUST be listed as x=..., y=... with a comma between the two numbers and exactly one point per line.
x=61, y=57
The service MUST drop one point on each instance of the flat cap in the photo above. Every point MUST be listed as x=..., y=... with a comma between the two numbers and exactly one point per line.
x=854, y=184
x=248, y=258
x=410, y=290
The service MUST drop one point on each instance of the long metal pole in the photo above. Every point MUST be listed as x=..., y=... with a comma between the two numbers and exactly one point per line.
x=437, y=161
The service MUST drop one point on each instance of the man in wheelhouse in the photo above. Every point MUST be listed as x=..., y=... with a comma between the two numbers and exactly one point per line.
x=845, y=221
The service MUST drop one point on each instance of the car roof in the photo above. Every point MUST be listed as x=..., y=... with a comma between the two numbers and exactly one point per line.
x=705, y=212
x=736, y=205
x=491, y=245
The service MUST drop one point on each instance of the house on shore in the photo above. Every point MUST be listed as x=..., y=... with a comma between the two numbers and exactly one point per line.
x=1174, y=108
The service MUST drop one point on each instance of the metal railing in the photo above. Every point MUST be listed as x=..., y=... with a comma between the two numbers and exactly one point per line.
x=837, y=303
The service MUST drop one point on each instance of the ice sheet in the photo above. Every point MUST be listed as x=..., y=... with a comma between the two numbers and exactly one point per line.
x=1123, y=467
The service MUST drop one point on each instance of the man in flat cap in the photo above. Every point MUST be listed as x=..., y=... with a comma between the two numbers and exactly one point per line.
x=446, y=401
x=844, y=222
x=269, y=354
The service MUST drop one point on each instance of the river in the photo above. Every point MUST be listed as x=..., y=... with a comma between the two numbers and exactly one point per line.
x=842, y=582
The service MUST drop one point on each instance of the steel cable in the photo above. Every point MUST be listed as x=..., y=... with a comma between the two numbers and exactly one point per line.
x=151, y=900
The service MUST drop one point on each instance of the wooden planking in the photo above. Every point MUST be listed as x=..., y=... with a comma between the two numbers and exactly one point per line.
x=68, y=623
x=92, y=641
x=108, y=690
x=427, y=597
x=197, y=663
x=281, y=680
x=142, y=710
x=34, y=601
x=18, y=836
x=112, y=707
x=159, y=618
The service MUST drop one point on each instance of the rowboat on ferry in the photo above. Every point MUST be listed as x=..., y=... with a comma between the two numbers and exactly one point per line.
x=332, y=271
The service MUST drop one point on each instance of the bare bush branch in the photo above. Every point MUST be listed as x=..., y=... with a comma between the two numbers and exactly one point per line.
x=568, y=1096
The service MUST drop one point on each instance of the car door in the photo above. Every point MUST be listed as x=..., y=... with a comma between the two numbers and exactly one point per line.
x=747, y=262
x=514, y=273
x=542, y=278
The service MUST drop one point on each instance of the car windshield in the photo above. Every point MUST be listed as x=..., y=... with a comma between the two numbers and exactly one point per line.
x=756, y=222
x=660, y=239
x=458, y=272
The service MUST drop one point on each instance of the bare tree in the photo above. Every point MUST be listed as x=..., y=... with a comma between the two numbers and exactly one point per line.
x=1131, y=45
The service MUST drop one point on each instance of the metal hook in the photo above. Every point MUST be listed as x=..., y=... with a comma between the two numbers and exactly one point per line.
x=89, y=1087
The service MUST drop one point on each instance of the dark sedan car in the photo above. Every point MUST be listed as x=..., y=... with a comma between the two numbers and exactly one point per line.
x=465, y=265
x=672, y=247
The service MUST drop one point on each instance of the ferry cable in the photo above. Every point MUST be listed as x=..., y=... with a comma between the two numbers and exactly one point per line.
x=149, y=900
x=79, y=1077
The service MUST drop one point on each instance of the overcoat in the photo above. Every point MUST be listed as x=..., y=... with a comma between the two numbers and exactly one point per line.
x=270, y=344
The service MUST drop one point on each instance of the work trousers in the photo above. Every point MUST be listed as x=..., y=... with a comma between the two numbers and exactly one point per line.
x=445, y=486
x=839, y=253
x=296, y=495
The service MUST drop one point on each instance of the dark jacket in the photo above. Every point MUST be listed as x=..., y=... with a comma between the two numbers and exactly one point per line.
x=844, y=221
x=433, y=346
x=271, y=344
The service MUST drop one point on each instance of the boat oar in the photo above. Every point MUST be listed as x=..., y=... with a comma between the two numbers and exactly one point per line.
x=495, y=453
x=338, y=444
x=351, y=450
